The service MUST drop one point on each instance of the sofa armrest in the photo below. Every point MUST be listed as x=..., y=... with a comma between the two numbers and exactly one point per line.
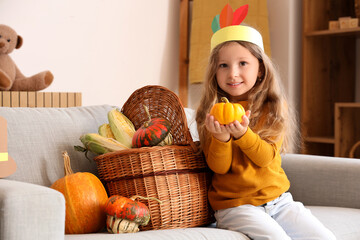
x=29, y=211
x=324, y=181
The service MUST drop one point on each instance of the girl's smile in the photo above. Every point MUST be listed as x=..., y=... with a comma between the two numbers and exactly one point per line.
x=234, y=84
x=237, y=71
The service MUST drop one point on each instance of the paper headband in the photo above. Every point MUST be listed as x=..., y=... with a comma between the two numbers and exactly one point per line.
x=226, y=27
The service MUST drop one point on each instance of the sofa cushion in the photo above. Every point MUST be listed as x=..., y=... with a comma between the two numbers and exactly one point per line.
x=198, y=233
x=37, y=137
x=343, y=222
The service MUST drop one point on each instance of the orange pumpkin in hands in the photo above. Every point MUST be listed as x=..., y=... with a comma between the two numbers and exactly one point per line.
x=85, y=199
x=226, y=112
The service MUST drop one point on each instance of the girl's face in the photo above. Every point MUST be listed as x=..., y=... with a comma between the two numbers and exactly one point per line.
x=237, y=71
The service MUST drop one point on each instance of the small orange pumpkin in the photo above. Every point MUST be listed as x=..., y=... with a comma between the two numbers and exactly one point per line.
x=226, y=112
x=85, y=198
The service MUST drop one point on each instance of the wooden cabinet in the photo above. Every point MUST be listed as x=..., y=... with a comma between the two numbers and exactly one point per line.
x=328, y=76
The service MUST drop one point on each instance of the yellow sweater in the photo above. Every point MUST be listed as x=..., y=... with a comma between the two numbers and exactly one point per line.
x=246, y=171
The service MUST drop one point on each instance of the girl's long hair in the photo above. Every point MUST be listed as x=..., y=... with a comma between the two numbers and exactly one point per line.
x=266, y=97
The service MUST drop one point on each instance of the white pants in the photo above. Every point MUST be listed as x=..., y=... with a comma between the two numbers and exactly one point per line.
x=280, y=219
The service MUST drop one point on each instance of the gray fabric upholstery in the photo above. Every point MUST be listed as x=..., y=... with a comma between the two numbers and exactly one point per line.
x=324, y=181
x=343, y=222
x=173, y=234
x=29, y=211
x=37, y=137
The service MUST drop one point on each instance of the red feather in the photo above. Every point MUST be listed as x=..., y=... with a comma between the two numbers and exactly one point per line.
x=226, y=16
x=240, y=14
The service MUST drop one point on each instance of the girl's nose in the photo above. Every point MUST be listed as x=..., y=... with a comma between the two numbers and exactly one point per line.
x=234, y=72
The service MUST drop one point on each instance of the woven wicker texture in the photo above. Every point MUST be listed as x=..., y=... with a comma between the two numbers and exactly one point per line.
x=161, y=103
x=175, y=174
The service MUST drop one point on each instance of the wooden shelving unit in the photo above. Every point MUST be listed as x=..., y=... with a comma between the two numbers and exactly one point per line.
x=347, y=128
x=328, y=73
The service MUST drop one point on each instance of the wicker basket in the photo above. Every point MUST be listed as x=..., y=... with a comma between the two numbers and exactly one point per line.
x=175, y=174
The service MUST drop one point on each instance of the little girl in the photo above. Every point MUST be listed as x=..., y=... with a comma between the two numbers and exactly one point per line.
x=249, y=190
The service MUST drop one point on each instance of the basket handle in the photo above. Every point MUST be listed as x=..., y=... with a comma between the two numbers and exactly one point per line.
x=154, y=93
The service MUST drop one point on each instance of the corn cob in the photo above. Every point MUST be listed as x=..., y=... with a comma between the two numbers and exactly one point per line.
x=122, y=128
x=99, y=144
x=105, y=131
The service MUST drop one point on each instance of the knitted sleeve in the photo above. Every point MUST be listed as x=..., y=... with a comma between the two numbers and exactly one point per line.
x=218, y=155
x=258, y=150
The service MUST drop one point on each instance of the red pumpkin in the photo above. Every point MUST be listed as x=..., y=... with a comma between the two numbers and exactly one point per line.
x=85, y=198
x=124, y=215
x=155, y=131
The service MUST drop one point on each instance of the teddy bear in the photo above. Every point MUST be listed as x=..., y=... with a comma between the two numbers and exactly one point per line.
x=11, y=79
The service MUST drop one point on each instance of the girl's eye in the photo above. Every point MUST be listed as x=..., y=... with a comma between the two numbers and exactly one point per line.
x=223, y=65
x=8, y=40
x=243, y=63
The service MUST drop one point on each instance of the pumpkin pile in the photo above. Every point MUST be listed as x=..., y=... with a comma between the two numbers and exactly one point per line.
x=120, y=134
x=88, y=207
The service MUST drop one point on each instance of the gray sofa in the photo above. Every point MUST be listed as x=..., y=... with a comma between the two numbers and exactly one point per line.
x=29, y=209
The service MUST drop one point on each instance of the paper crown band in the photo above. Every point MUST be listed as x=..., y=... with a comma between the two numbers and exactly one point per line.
x=237, y=33
x=226, y=27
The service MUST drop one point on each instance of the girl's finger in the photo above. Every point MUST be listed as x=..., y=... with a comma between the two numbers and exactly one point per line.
x=245, y=121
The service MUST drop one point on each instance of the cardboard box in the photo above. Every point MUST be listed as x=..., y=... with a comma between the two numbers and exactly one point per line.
x=344, y=22
x=354, y=22
x=334, y=25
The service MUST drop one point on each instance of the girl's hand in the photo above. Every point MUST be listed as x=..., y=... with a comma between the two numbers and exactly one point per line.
x=237, y=129
x=216, y=129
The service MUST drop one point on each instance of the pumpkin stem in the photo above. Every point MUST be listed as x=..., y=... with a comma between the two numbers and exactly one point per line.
x=144, y=198
x=67, y=166
x=148, y=114
x=224, y=99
